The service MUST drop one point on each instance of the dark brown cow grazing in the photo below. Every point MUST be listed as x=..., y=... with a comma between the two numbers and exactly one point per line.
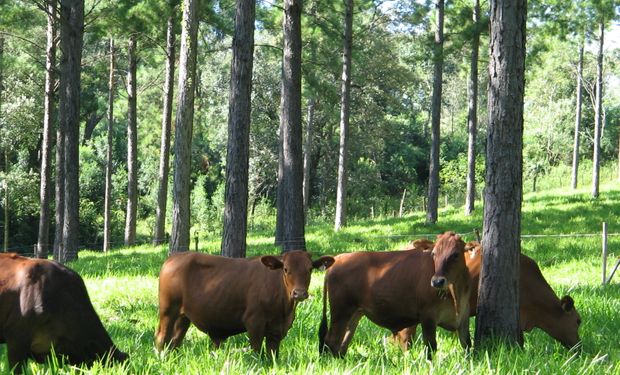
x=540, y=306
x=396, y=290
x=45, y=304
x=226, y=296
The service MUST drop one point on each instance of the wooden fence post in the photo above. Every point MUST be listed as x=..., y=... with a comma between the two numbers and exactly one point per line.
x=604, y=245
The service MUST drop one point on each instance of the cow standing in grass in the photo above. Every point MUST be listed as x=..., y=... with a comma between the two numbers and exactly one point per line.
x=227, y=296
x=44, y=304
x=540, y=307
x=396, y=290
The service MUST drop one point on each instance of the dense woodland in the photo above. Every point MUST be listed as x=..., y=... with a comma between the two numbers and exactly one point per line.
x=369, y=119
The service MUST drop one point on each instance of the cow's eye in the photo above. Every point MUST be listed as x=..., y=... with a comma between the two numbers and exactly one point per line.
x=285, y=270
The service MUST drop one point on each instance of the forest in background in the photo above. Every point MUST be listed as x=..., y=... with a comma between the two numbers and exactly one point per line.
x=391, y=91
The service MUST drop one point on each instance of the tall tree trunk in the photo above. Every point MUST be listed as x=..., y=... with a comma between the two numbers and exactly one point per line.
x=108, y=164
x=577, y=117
x=184, y=121
x=345, y=112
x=308, y=153
x=5, y=225
x=472, y=114
x=290, y=235
x=598, y=113
x=164, y=149
x=132, y=146
x=59, y=213
x=71, y=40
x=498, y=297
x=238, y=152
x=46, y=146
x=6, y=199
x=433, y=178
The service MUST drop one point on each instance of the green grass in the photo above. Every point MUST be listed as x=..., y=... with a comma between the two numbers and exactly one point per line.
x=123, y=287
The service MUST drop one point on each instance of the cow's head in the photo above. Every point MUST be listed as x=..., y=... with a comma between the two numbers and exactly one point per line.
x=449, y=260
x=296, y=269
x=565, y=324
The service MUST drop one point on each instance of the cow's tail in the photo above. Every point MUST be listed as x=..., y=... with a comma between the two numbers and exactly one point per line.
x=323, y=326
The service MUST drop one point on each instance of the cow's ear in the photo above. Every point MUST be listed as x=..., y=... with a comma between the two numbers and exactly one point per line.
x=271, y=262
x=567, y=303
x=323, y=262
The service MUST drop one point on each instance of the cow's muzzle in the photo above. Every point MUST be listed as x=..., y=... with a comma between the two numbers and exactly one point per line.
x=438, y=282
x=299, y=294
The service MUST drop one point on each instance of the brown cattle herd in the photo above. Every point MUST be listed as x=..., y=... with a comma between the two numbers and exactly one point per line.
x=45, y=307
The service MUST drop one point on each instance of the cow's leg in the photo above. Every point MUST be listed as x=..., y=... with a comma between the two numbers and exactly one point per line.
x=463, y=332
x=256, y=333
x=217, y=341
x=272, y=342
x=338, y=327
x=17, y=353
x=429, y=333
x=181, y=325
x=404, y=337
x=348, y=335
x=172, y=327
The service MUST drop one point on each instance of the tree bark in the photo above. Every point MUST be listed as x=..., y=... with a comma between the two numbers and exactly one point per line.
x=345, y=111
x=108, y=164
x=46, y=146
x=164, y=149
x=179, y=240
x=132, y=146
x=5, y=225
x=71, y=41
x=472, y=114
x=498, y=298
x=308, y=153
x=238, y=151
x=433, y=178
x=579, y=90
x=290, y=216
x=59, y=213
x=598, y=114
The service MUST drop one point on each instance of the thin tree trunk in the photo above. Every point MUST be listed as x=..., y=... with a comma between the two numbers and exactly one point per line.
x=598, y=114
x=238, y=151
x=6, y=158
x=132, y=146
x=184, y=121
x=108, y=165
x=164, y=149
x=472, y=115
x=498, y=297
x=6, y=201
x=59, y=213
x=577, y=117
x=433, y=178
x=308, y=153
x=290, y=213
x=345, y=111
x=71, y=40
x=46, y=147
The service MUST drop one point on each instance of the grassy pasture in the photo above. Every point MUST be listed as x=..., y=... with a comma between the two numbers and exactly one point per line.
x=123, y=287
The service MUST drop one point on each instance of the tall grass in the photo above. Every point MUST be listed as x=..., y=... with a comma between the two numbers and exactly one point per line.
x=123, y=287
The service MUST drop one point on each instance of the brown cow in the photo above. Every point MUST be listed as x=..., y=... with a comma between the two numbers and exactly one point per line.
x=396, y=290
x=45, y=304
x=539, y=305
x=226, y=296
